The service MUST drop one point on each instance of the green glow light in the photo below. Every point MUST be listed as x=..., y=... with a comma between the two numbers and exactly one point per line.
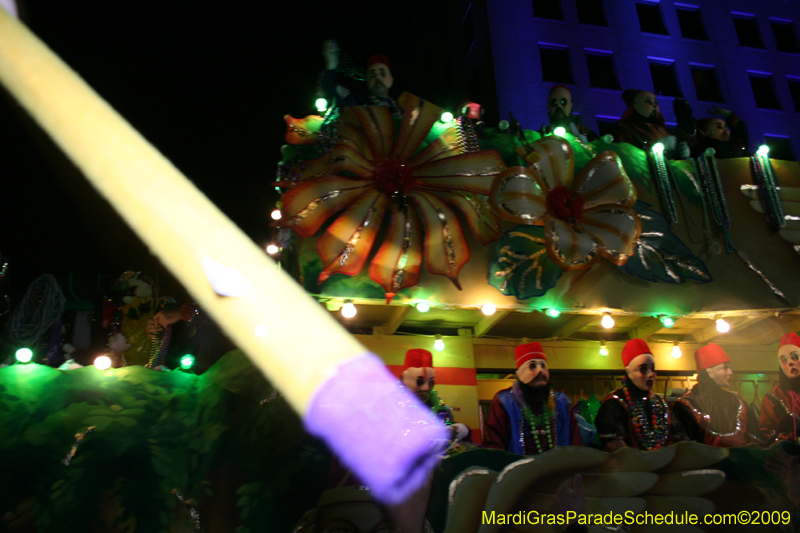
x=559, y=131
x=321, y=104
x=763, y=150
x=447, y=116
x=438, y=345
x=187, y=361
x=603, y=351
x=423, y=307
x=667, y=321
x=658, y=148
x=553, y=312
x=24, y=355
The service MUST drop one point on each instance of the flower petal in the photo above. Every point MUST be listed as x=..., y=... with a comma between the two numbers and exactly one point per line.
x=346, y=244
x=482, y=219
x=571, y=248
x=376, y=122
x=446, y=250
x=302, y=130
x=352, y=136
x=519, y=195
x=616, y=228
x=444, y=146
x=397, y=263
x=471, y=172
x=418, y=118
x=341, y=158
x=604, y=181
x=307, y=206
x=556, y=163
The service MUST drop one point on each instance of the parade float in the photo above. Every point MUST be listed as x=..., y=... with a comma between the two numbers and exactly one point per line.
x=581, y=245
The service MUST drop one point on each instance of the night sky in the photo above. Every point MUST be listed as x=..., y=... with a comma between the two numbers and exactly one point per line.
x=208, y=85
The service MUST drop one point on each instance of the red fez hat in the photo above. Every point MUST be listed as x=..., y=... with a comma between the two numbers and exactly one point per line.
x=525, y=352
x=789, y=338
x=633, y=349
x=710, y=355
x=378, y=58
x=554, y=87
x=418, y=358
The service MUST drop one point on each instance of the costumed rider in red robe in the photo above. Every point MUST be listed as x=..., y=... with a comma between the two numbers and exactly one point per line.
x=780, y=407
x=642, y=125
x=709, y=413
x=419, y=377
x=529, y=418
x=559, y=110
x=633, y=415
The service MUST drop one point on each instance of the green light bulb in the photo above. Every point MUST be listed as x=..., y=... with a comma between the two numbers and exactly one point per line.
x=321, y=104
x=187, y=361
x=447, y=116
x=667, y=321
x=24, y=355
x=559, y=131
x=423, y=307
x=553, y=312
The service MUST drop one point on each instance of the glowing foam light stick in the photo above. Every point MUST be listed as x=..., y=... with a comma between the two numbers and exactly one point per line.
x=343, y=393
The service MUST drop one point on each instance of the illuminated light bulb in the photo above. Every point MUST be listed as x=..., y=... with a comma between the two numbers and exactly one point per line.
x=553, y=312
x=24, y=355
x=349, y=310
x=763, y=150
x=667, y=321
x=423, y=307
x=676, y=351
x=559, y=131
x=658, y=148
x=102, y=363
x=276, y=214
x=272, y=249
x=187, y=361
x=603, y=349
x=261, y=330
x=488, y=309
x=447, y=116
x=438, y=344
x=321, y=104
x=607, y=321
x=723, y=326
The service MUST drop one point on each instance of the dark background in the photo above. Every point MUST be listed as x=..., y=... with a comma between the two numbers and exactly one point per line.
x=207, y=84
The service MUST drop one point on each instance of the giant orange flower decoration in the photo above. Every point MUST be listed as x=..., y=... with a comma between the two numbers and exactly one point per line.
x=585, y=217
x=372, y=171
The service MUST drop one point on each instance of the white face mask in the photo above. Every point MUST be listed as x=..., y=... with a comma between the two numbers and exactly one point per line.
x=419, y=380
x=642, y=371
x=789, y=358
x=534, y=373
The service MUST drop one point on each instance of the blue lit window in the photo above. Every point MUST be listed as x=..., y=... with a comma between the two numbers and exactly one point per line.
x=665, y=79
x=650, y=18
x=764, y=90
x=747, y=30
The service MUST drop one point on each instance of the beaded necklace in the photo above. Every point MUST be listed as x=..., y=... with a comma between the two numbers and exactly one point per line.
x=540, y=427
x=712, y=180
x=158, y=348
x=465, y=133
x=650, y=434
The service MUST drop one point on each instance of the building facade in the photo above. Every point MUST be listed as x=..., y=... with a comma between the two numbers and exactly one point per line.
x=742, y=55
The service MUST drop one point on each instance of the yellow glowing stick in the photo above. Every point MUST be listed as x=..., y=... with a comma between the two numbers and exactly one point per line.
x=303, y=344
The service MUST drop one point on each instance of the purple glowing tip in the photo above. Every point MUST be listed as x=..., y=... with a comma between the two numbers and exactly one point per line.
x=385, y=434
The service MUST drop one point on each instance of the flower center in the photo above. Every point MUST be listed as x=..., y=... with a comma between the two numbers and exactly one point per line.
x=564, y=204
x=393, y=177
